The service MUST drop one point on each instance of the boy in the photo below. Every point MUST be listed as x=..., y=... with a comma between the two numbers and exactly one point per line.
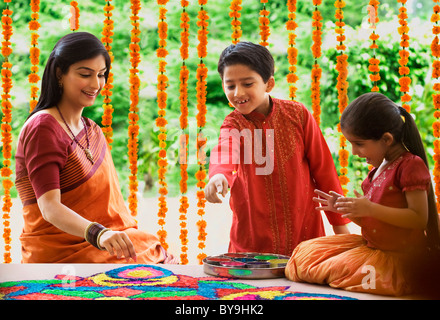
x=273, y=155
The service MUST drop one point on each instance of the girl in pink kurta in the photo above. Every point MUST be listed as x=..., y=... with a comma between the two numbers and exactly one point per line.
x=397, y=212
x=272, y=155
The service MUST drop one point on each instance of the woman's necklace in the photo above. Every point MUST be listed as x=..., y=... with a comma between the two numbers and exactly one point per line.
x=86, y=150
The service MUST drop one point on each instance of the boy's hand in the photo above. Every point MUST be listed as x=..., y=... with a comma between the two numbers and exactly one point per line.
x=216, y=185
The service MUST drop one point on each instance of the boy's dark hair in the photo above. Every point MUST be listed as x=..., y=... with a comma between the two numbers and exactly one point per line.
x=255, y=56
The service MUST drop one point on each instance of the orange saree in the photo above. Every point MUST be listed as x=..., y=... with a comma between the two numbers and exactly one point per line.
x=46, y=159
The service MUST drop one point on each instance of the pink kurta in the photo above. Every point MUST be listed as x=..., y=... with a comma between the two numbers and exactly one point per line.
x=272, y=172
x=378, y=261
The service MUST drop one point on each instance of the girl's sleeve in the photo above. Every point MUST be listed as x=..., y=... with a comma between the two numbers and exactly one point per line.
x=322, y=167
x=44, y=155
x=414, y=175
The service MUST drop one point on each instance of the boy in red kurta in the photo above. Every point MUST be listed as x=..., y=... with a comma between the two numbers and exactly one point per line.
x=273, y=155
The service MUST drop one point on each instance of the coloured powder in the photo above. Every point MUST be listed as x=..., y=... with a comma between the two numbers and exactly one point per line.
x=265, y=257
x=277, y=263
x=258, y=264
x=233, y=264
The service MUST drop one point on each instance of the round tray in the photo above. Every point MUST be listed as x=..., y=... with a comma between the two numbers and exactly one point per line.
x=212, y=267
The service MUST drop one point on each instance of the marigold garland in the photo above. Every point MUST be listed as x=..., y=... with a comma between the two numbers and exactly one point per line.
x=435, y=51
x=183, y=139
x=404, y=80
x=133, y=117
x=342, y=86
x=6, y=130
x=161, y=122
x=316, y=70
x=264, y=24
x=292, y=51
x=374, y=62
x=33, y=77
x=201, y=76
x=107, y=32
x=74, y=16
x=235, y=22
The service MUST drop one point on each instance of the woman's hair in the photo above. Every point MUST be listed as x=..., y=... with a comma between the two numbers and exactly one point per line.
x=370, y=116
x=70, y=49
x=255, y=56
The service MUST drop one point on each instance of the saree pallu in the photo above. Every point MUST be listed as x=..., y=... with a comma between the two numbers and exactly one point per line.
x=346, y=262
x=91, y=190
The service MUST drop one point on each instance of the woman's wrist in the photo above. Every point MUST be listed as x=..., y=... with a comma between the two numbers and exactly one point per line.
x=93, y=234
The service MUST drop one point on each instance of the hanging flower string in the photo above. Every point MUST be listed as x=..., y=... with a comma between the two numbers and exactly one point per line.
x=316, y=70
x=133, y=117
x=74, y=16
x=6, y=129
x=342, y=86
x=107, y=32
x=292, y=51
x=404, y=80
x=161, y=122
x=235, y=22
x=183, y=139
x=33, y=77
x=201, y=75
x=435, y=51
x=373, y=19
x=264, y=24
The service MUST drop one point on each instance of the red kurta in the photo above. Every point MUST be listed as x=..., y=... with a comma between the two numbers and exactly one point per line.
x=272, y=173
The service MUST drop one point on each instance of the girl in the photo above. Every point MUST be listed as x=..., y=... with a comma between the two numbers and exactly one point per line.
x=72, y=205
x=397, y=213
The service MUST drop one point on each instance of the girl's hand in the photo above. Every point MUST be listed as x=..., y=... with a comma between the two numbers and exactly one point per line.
x=328, y=201
x=354, y=207
x=216, y=185
x=118, y=243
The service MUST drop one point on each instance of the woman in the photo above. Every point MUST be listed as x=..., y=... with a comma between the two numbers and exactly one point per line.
x=72, y=205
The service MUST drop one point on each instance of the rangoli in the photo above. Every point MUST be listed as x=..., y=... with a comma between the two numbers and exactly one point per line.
x=147, y=282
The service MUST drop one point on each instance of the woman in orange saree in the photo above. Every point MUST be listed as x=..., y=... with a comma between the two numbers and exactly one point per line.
x=73, y=208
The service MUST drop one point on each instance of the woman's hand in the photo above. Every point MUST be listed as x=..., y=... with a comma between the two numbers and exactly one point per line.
x=118, y=243
x=326, y=200
x=216, y=185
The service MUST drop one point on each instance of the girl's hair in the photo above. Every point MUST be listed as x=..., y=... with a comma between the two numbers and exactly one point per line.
x=370, y=116
x=255, y=56
x=70, y=49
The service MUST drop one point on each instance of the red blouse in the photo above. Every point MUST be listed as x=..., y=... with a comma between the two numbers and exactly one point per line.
x=406, y=173
x=273, y=172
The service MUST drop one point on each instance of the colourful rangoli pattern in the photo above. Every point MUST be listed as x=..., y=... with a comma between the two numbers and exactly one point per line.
x=146, y=282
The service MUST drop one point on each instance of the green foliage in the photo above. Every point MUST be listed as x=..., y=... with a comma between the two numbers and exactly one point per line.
x=54, y=23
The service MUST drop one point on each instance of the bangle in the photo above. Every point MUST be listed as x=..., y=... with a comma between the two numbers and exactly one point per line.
x=92, y=233
x=99, y=237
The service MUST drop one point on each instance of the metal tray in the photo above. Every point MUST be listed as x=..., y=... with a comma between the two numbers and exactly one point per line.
x=246, y=272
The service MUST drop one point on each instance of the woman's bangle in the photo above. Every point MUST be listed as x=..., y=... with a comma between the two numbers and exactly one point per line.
x=93, y=232
x=99, y=237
